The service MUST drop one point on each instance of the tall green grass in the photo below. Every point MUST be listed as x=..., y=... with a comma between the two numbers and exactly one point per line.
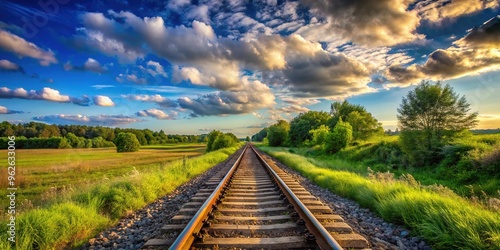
x=71, y=222
x=441, y=217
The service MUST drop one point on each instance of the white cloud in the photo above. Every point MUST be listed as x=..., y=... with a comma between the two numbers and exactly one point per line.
x=157, y=69
x=7, y=65
x=22, y=48
x=156, y=113
x=102, y=86
x=130, y=78
x=252, y=95
x=96, y=120
x=105, y=101
x=4, y=110
x=46, y=93
x=158, y=99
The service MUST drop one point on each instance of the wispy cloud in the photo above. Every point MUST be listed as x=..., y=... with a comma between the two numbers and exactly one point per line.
x=156, y=113
x=5, y=110
x=96, y=120
x=6, y=65
x=22, y=48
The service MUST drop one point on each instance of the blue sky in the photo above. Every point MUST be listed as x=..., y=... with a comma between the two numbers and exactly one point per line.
x=189, y=67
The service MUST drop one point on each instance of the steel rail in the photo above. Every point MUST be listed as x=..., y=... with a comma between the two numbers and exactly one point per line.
x=322, y=236
x=187, y=236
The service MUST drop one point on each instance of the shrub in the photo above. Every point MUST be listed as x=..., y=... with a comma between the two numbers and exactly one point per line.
x=212, y=136
x=339, y=138
x=127, y=142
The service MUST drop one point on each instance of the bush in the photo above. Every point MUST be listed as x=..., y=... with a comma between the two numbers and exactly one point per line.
x=218, y=140
x=224, y=141
x=319, y=135
x=339, y=138
x=212, y=136
x=127, y=142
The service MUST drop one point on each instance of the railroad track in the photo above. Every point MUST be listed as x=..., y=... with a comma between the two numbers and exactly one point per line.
x=255, y=205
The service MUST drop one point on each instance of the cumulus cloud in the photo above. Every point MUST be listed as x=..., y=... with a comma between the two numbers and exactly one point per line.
x=312, y=72
x=303, y=67
x=6, y=65
x=4, y=110
x=367, y=22
x=155, y=69
x=252, y=95
x=156, y=113
x=158, y=99
x=105, y=101
x=47, y=94
x=22, y=48
x=439, y=10
x=476, y=52
x=96, y=120
x=108, y=37
x=90, y=65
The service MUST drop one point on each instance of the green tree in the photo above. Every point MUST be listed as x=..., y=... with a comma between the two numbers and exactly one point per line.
x=248, y=138
x=211, y=139
x=127, y=142
x=364, y=125
x=430, y=117
x=339, y=138
x=75, y=141
x=277, y=134
x=260, y=136
x=319, y=135
x=303, y=123
x=224, y=141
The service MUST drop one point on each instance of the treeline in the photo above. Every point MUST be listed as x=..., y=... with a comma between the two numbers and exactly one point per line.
x=330, y=131
x=88, y=135
x=218, y=140
x=70, y=141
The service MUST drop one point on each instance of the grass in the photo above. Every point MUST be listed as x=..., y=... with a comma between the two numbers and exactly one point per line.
x=460, y=171
x=441, y=217
x=72, y=219
x=43, y=174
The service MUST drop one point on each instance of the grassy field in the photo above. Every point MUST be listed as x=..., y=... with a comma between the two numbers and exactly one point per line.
x=441, y=217
x=44, y=174
x=459, y=170
x=71, y=219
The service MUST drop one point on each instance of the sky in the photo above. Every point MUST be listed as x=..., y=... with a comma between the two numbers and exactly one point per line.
x=188, y=67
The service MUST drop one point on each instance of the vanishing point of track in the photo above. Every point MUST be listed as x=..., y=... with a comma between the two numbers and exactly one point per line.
x=256, y=205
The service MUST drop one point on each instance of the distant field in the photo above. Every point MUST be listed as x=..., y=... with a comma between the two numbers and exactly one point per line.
x=43, y=174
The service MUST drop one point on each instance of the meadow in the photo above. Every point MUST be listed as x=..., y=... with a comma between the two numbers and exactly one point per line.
x=45, y=174
x=436, y=213
x=72, y=215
